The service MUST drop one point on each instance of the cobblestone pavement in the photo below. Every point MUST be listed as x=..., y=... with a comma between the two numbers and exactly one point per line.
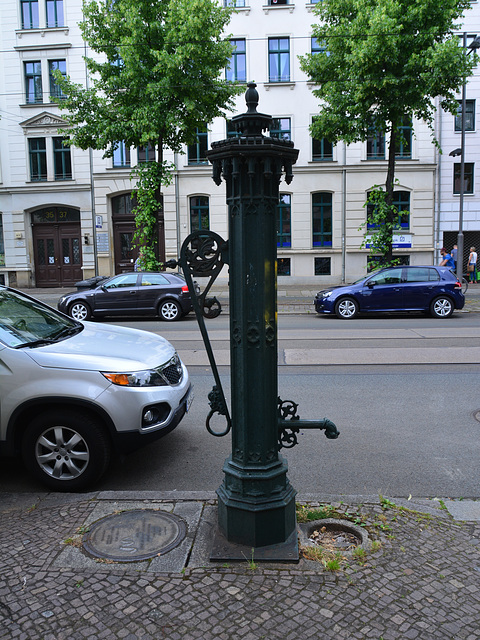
x=422, y=582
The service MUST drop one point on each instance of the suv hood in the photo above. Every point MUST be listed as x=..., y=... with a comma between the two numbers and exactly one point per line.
x=105, y=348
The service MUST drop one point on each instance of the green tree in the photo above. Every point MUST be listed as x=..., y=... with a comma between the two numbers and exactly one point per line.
x=383, y=63
x=157, y=79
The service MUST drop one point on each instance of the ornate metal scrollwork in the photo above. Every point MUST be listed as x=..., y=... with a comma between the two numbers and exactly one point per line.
x=287, y=432
x=289, y=425
x=203, y=254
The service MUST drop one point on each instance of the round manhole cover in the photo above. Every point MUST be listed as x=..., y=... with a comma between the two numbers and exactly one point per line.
x=131, y=536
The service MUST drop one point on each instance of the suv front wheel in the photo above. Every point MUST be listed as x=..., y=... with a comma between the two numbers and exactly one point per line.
x=67, y=450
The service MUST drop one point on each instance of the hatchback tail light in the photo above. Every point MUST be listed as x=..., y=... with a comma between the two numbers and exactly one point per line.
x=458, y=285
x=184, y=289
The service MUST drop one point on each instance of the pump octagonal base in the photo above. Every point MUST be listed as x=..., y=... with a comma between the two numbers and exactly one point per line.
x=225, y=551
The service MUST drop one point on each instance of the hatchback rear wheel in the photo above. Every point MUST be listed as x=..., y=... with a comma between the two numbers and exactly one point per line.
x=441, y=307
x=169, y=310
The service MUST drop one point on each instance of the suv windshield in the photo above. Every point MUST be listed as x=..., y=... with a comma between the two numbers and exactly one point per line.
x=26, y=322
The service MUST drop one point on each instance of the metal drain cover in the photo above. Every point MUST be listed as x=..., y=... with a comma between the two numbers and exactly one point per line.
x=476, y=415
x=131, y=536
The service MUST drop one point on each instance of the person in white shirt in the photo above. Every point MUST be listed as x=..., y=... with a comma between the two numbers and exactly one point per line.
x=472, y=265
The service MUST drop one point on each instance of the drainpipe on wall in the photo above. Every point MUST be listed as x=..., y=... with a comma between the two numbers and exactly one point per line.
x=177, y=205
x=438, y=158
x=92, y=187
x=344, y=211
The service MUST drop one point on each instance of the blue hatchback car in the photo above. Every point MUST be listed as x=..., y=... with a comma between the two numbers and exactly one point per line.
x=435, y=290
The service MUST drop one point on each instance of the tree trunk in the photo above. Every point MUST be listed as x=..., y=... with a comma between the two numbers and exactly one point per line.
x=389, y=187
x=160, y=215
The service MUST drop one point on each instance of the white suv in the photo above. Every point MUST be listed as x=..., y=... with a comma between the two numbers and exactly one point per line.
x=72, y=392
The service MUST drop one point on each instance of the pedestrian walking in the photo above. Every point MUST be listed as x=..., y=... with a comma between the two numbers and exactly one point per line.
x=472, y=265
x=454, y=252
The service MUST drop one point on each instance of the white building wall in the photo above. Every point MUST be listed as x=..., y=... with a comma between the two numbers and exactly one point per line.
x=449, y=203
x=348, y=177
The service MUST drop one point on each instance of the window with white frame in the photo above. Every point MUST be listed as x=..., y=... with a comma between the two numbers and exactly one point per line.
x=197, y=152
x=237, y=68
x=322, y=219
x=468, y=182
x=29, y=13
x=279, y=59
x=121, y=155
x=33, y=82
x=281, y=128
x=469, y=116
x=49, y=158
x=55, y=17
x=53, y=66
x=199, y=213
x=284, y=221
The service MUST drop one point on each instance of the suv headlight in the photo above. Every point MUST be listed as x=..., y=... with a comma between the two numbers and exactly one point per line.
x=169, y=374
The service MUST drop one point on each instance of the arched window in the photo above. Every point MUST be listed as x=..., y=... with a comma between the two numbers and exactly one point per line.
x=401, y=200
x=199, y=213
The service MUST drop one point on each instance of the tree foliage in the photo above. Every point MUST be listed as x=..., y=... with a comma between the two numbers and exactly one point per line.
x=156, y=78
x=385, y=61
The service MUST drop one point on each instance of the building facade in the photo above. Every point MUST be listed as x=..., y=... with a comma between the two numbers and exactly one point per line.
x=65, y=213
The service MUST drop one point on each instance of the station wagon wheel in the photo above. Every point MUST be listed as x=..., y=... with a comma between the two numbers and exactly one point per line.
x=169, y=310
x=441, y=307
x=67, y=450
x=79, y=311
x=346, y=308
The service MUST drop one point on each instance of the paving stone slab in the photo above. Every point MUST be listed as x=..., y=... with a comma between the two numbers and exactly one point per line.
x=464, y=509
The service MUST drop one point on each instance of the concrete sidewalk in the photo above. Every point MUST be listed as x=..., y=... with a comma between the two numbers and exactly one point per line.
x=421, y=581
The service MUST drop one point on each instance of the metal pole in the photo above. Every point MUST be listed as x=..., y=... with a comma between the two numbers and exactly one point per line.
x=462, y=176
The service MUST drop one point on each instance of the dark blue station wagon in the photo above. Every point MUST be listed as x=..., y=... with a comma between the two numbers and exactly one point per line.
x=435, y=290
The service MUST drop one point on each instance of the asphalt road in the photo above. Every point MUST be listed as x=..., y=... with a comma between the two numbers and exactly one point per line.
x=404, y=428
